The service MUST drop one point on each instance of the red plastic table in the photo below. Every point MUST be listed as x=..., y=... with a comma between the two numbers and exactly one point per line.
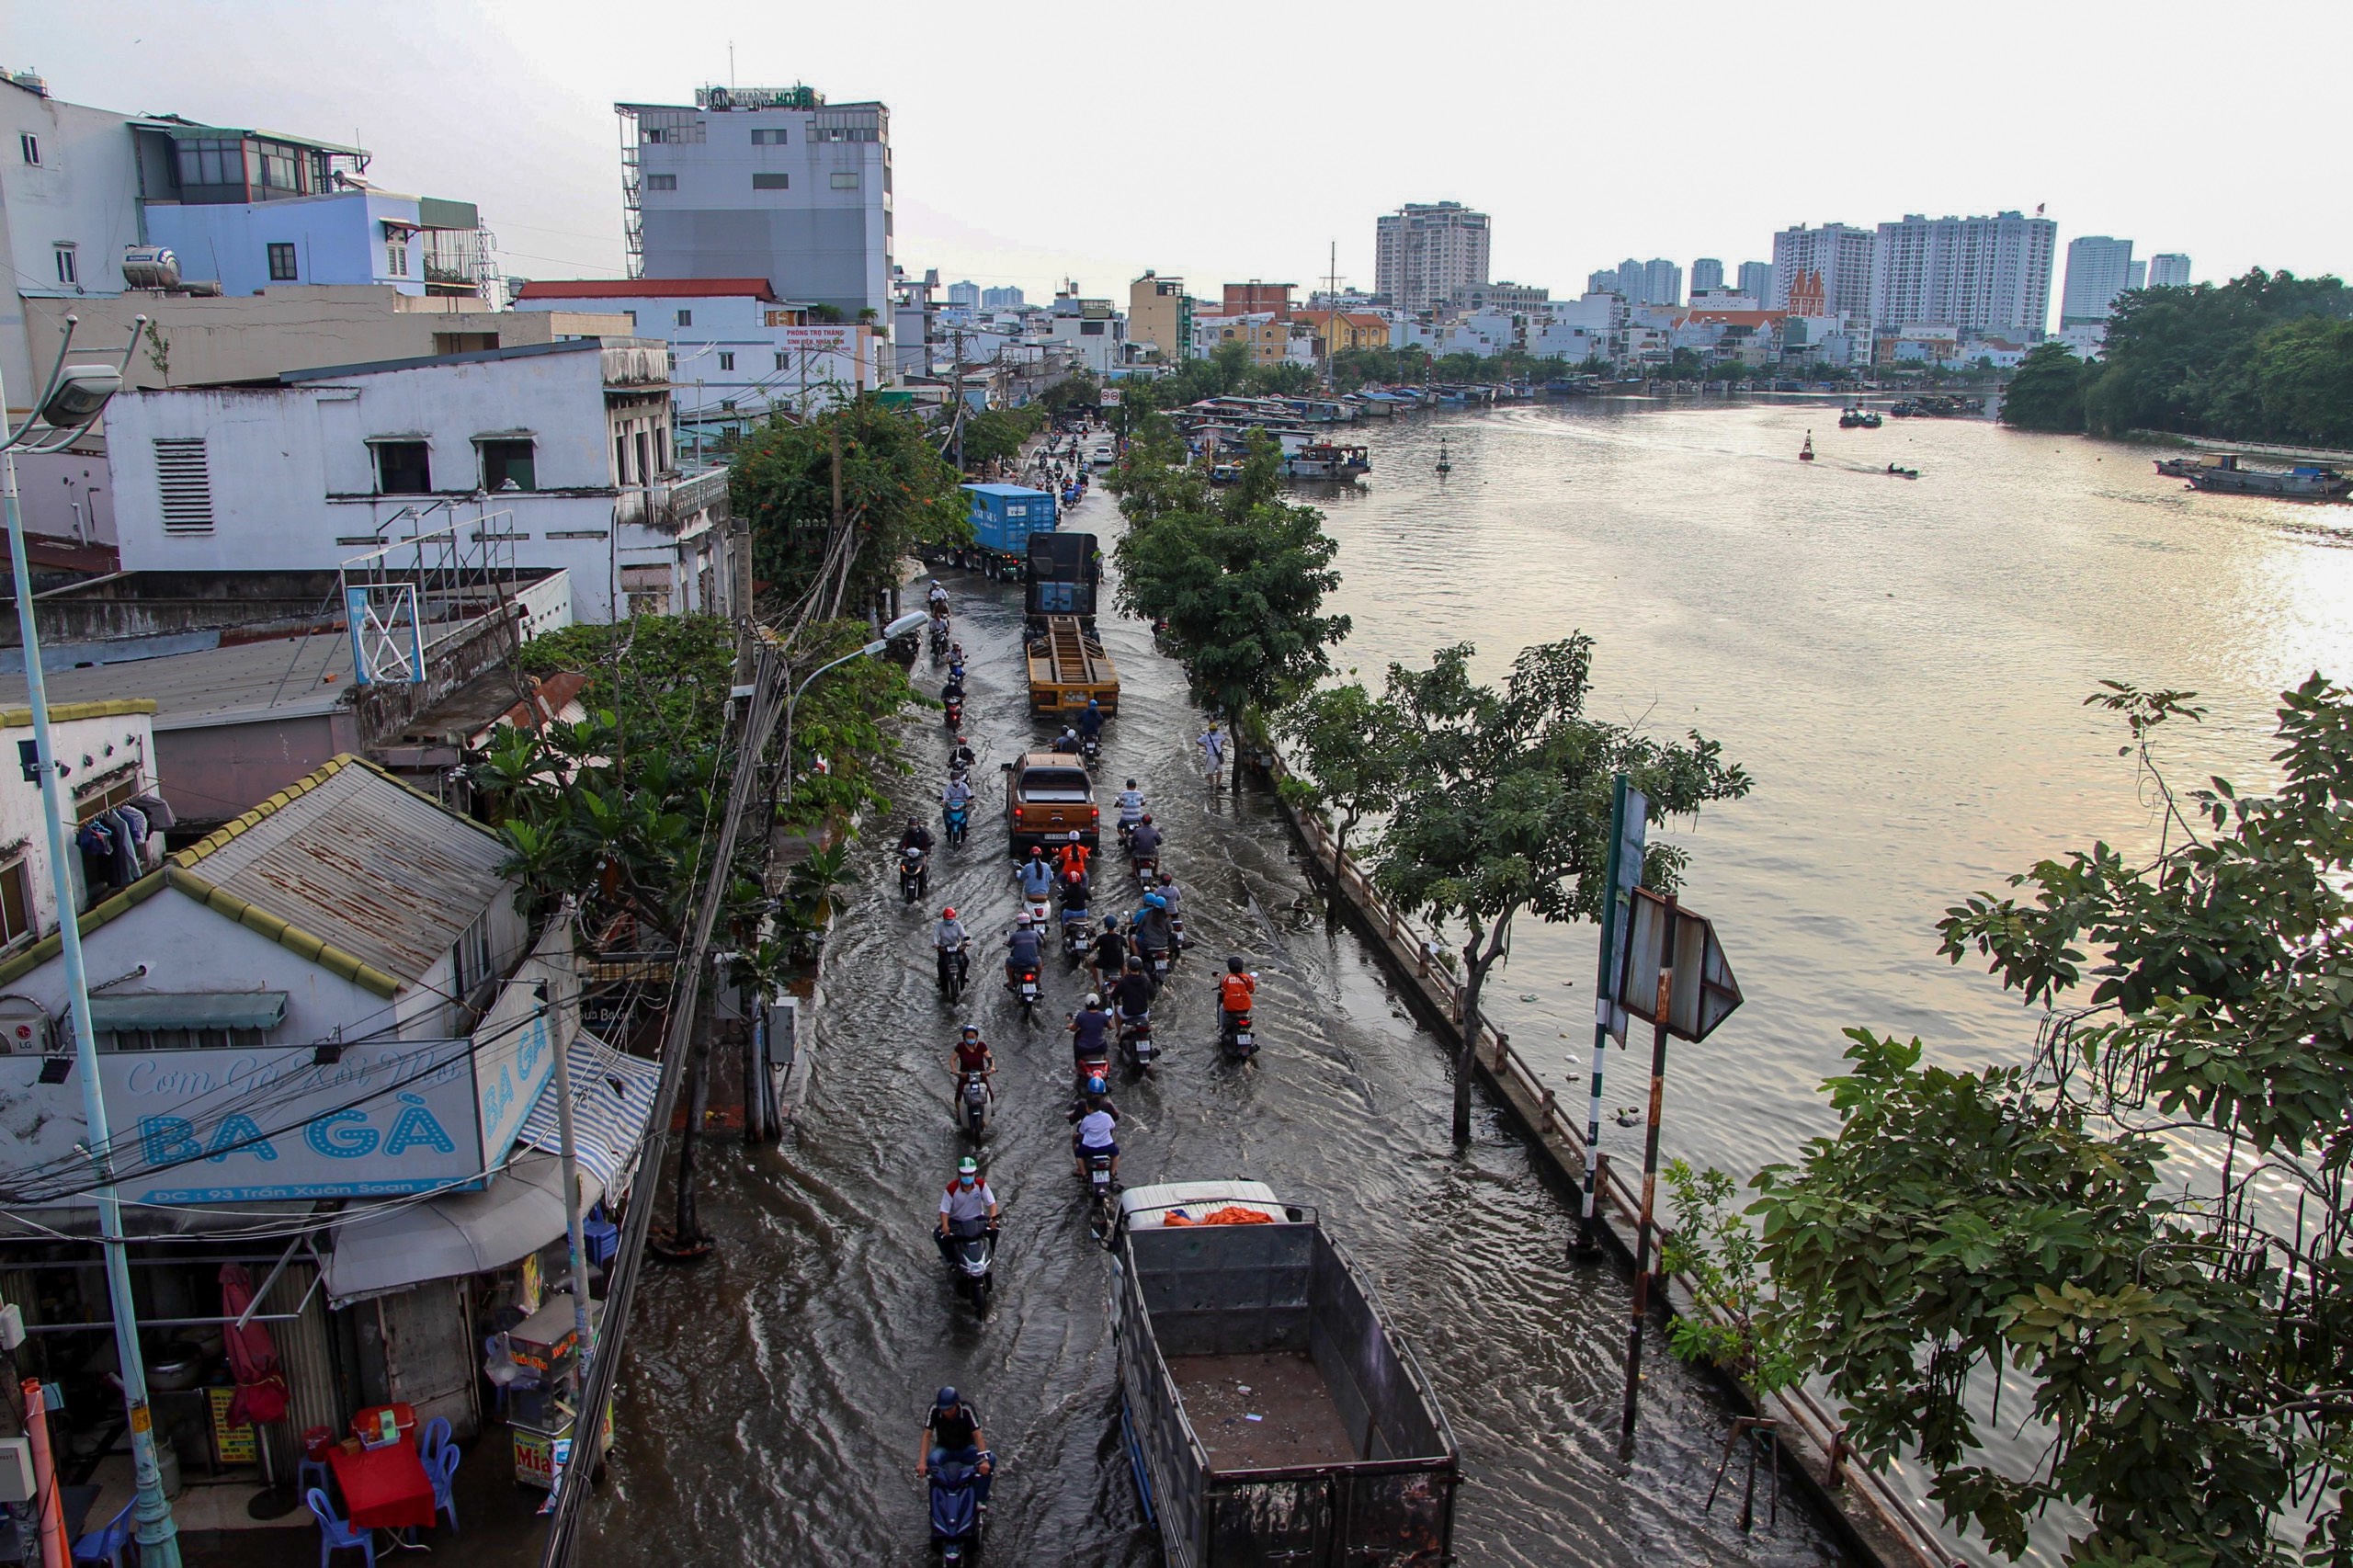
x=383, y=1488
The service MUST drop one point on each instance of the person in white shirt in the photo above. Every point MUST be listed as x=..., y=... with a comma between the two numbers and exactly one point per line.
x=966, y=1207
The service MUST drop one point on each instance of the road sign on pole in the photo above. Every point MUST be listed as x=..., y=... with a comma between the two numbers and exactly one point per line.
x=1629, y=825
x=1663, y=936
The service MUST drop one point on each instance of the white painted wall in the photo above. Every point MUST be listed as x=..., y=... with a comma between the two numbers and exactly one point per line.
x=83, y=192
x=726, y=350
x=110, y=744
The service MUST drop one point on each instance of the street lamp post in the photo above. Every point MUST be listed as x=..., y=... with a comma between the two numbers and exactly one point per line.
x=68, y=405
x=899, y=628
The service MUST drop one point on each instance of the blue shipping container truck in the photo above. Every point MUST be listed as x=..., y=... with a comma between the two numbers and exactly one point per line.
x=1003, y=517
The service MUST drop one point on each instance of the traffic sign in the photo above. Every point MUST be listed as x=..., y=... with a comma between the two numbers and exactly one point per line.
x=1664, y=936
x=1631, y=822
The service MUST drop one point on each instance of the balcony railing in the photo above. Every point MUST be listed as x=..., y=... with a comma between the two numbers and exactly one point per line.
x=670, y=504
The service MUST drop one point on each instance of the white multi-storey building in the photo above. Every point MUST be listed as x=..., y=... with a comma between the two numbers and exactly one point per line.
x=2099, y=269
x=1976, y=274
x=762, y=182
x=1425, y=251
x=2169, y=269
x=1836, y=255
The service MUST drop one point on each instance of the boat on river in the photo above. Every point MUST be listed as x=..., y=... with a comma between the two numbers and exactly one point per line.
x=1327, y=459
x=1859, y=419
x=2305, y=482
x=1895, y=472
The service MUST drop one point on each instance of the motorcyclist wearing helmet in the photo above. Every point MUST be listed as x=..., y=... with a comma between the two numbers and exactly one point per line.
x=967, y=1202
x=1143, y=840
x=1097, y=1118
x=1235, y=990
x=917, y=837
x=938, y=599
x=1133, y=993
x=971, y=1053
x=1130, y=804
x=1023, y=950
x=1089, y=1031
x=953, y=688
x=1090, y=723
x=1110, y=955
x=952, y=1432
x=1070, y=858
x=1066, y=744
x=948, y=939
x=1149, y=930
x=963, y=756
x=1169, y=891
x=1034, y=876
x=957, y=791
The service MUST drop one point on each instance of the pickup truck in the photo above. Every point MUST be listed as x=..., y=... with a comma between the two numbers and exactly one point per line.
x=1047, y=796
x=1269, y=1414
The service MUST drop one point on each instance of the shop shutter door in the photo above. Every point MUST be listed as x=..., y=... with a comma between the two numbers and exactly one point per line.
x=430, y=1354
x=306, y=1354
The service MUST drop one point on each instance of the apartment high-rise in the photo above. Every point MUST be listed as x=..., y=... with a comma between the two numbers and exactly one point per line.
x=2169, y=269
x=2099, y=269
x=1425, y=251
x=1160, y=315
x=1005, y=298
x=762, y=182
x=1653, y=282
x=1974, y=274
x=1835, y=255
x=1602, y=282
x=1757, y=280
x=1707, y=273
x=967, y=294
x=2137, y=274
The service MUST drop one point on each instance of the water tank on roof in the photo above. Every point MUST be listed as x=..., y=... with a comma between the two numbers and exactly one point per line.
x=150, y=267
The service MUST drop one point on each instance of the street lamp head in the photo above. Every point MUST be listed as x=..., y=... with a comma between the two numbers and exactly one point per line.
x=82, y=391
x=911, y=621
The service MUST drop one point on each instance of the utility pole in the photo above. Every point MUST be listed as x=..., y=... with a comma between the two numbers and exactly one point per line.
x=1643, y=1228
x=959, y=336
x=70, y=403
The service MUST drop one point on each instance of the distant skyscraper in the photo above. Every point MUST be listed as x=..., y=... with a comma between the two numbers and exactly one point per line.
x=1425, y=251
x=2169, y=269
x=1707, y=273
x=1653, y=282
x=1602, y=282
x=2137, y=276
x=967, y=294
x=1837, y=255
x=2099, y=269
x=1757, y=281
x=1976, y=274
x=1001, y=299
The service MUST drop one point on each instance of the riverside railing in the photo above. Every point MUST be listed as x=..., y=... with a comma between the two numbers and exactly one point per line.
x=1885, y=1523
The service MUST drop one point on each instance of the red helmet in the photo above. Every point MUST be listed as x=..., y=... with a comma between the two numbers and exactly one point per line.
x=948, y=913
x=1147, y=816
x=1037, y=851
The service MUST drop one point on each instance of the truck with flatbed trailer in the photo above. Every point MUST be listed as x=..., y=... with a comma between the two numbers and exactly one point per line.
x=1269, y=1412
x=1064, y=577
x=1068, y=668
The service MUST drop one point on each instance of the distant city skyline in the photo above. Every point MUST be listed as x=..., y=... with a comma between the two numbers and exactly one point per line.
x=537, y=152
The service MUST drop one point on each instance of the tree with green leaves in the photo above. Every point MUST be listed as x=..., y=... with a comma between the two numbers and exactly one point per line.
x=994, y=436
x=2182, y=1327
x=1348, y=747
x=1241, y=581
x=2046, y=392
x=1503, y=800
x=844, y=497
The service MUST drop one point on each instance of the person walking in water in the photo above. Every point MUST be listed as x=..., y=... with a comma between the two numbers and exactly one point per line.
x=1212, y=744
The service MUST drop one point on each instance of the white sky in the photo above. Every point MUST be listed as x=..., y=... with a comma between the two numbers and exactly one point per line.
x=1036, y=140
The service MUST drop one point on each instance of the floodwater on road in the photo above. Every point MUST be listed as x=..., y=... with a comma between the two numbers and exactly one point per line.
x=772, y=1397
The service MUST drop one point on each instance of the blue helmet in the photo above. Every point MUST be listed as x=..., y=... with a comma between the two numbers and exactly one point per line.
x=1096, y=1087
x=946, y=1400
x=1153, y=900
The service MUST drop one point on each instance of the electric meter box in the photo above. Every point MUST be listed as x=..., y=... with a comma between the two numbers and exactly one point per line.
x=25, y=1029
x=16, y=1470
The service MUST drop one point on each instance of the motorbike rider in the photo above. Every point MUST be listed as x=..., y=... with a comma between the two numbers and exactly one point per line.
x=948, y=937
x=963, y=756
x=1072, y=856
x=957, y=791
x=1149, y=931
x=1133, y=993
x=1110, y=956
x=937, y=599
x=1235, y=990
x=1034, y=876
x=1022, y=949
x=1066, y=744
x=1096, y=1118
x=952, y=1431
x=1143, y=841
x=968, y=1198
x=917, y=837
x=1090, y=1030
x=972, y=1054
x=1090, y=723
x=1131, y=804
x=1169, y=892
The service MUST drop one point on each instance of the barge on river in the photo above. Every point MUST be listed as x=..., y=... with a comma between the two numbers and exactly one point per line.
x=1270, y=1412
x=2224, y=476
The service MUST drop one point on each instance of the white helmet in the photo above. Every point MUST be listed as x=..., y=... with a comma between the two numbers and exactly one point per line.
x=1022, y=919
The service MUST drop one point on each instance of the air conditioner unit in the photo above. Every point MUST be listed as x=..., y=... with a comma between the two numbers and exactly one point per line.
x=24, y=1028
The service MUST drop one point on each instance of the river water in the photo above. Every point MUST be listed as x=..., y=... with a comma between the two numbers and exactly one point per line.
x=1900, y=664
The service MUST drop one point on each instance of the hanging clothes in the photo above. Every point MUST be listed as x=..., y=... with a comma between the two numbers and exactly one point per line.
x=126, y=858
x=97, y=842
x=156, y=810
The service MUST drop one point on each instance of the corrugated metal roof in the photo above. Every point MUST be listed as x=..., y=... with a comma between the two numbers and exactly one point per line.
x=361, y=861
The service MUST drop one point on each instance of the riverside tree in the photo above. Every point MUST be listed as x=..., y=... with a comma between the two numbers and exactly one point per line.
x=1502, y=804
x=1348, y=743
x=2185, y=1335
x=1241, y=582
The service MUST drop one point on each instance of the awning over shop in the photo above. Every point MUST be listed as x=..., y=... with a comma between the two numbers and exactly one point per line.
x=188, y=1010
x=521, y=1210
x=462, y=1233
x=612, y=1099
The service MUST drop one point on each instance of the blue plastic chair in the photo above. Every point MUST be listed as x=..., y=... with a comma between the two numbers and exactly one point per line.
x=429, y=1442
x=105, y=1545
x=442, y=1470
x=601, y=1237
x=336, y=1534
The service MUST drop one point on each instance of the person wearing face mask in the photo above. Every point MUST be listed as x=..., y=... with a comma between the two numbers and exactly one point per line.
x=967, y=1202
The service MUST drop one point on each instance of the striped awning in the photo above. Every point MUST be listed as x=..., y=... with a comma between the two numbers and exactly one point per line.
x=612, y=1099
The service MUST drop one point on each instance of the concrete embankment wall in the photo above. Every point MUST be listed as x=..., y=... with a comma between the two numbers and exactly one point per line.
x=1883, y=1525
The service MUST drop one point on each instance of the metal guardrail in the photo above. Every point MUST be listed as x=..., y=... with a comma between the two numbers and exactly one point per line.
x=1415, y=953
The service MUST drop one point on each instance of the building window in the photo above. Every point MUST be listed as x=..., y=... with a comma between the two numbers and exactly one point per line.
x=661, y=182
x=644, y=457
x=845, y=179
x=396, y=254
x=469, y=959
x=767, y=138
x=184, y=484
x=686, y=318
x=212, y=161
x=29, y=144
x=508, y=459
x=780, y=359
x=69, y=271
x=621, y=460
x=727, y=361
x=16, y=905
x=402, y=468
x=771, y=182
x=282, y=264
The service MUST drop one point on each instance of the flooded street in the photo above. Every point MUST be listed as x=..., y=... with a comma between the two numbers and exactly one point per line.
x=772, y=1397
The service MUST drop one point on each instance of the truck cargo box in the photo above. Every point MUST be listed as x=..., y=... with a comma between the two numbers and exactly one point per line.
x=1004, y=517
x=1065, y=572
x=1270, y=1413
